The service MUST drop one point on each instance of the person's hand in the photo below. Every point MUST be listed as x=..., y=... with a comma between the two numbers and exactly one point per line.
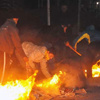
x=28, y=67
x=27, y=63
x=67, y=43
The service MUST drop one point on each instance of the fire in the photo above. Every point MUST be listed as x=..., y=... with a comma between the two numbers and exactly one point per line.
x=96, y=69
x=54, y=80
x=17, y=90
x=21, y=89
x=52, y=84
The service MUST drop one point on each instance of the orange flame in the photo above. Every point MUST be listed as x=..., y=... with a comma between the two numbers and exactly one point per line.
x=51, y=86
x=20, y=89
x=96, y=69
x=17, y=90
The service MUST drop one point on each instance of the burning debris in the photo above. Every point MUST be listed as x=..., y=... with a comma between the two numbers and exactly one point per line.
x=54, y=88
x=31, y=90
x=96, y=69
x=17, y=90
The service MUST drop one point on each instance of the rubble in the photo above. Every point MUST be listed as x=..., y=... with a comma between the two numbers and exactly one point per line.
x=80, y=91
x=54, y=88
x=70, y=94
x=38, y=94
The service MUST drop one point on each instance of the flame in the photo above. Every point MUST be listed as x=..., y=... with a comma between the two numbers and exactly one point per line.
x=17, y=90
x=96, y=69
x=54, y=80
x=52, y=84
x=21, y=89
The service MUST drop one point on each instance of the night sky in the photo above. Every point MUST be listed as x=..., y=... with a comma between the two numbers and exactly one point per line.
x=34, y=3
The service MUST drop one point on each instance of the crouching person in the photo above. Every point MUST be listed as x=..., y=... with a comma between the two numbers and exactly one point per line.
x=37, y=54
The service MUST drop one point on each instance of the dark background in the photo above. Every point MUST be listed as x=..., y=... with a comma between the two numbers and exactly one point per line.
x=35, y=11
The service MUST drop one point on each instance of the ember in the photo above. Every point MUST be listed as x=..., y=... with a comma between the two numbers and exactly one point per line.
x=85, y=72
x=17, y=90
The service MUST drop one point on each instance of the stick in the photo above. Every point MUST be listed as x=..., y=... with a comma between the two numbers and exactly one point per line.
x=68, y=45
x=4, y=65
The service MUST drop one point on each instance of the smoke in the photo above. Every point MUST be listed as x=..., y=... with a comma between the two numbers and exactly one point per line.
x=30, y=35
x=74, y=75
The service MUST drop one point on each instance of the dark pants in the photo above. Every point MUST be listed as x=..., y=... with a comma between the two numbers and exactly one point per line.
x=91, y=56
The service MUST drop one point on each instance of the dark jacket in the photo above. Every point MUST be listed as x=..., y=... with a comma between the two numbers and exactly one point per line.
x=90, y=34
x=9, y=38
x=10, y=41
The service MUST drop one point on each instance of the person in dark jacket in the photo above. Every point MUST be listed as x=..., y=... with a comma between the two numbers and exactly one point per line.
x=10, y=42
x=92, y=53
x=90, y=34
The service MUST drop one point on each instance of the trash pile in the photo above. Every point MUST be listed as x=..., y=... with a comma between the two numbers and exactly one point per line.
x=65, y=93
x=49, y=89
x=54, y=88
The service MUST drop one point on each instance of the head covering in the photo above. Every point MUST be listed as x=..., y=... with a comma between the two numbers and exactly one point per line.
x=91, y=28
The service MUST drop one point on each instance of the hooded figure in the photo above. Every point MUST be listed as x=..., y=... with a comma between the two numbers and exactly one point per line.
x=10, y=41
x=90, y=34
x=92, y=53
x=37, y=54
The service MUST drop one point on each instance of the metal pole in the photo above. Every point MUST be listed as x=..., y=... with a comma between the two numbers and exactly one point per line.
x=58, y=3
x=79, y=9
x=38, y=3
x=48, y=12
x=42, y=3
